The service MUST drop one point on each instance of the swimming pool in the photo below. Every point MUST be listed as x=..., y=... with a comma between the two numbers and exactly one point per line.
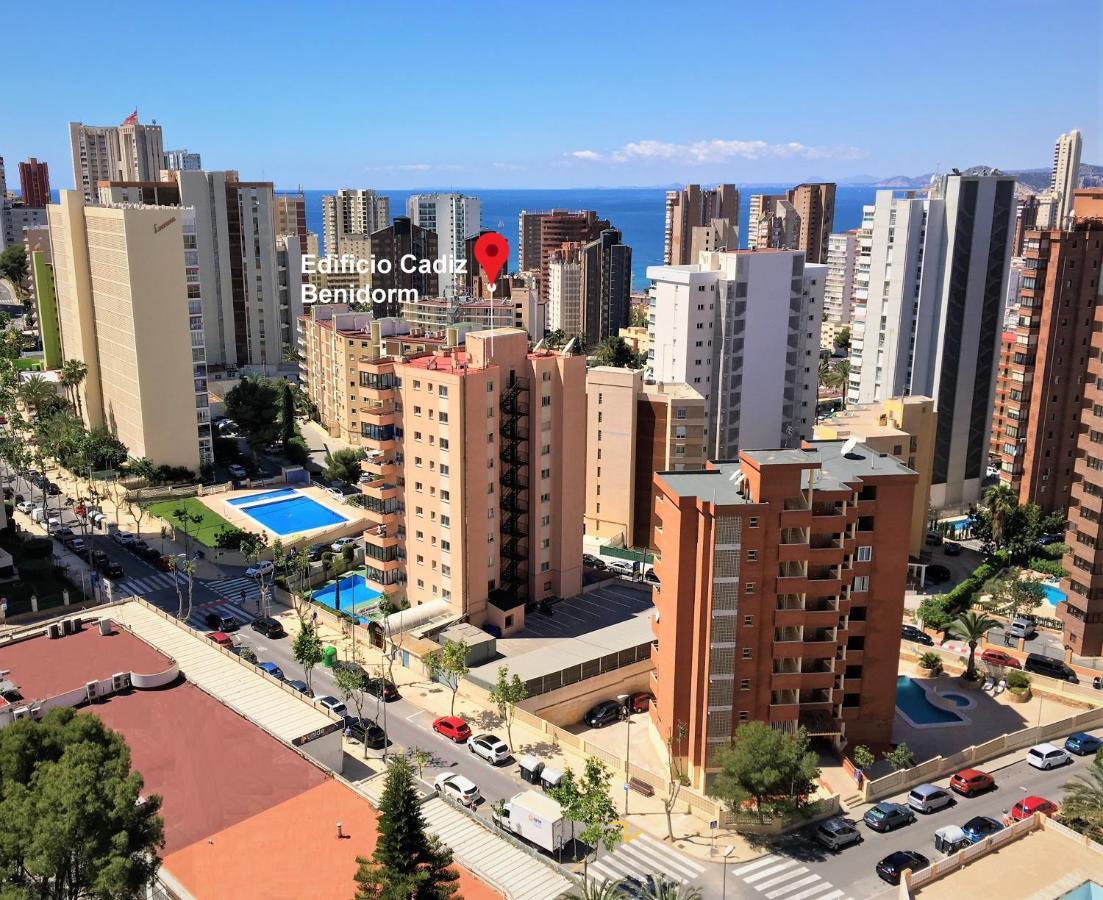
x=287, y=511
x=356, y=596
x=1054, y=594
x=911, y=700
x=958, y=700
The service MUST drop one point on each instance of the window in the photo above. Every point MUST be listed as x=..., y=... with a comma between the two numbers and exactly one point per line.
x=417, y=385
x=445, y=521
x=746, y=652
x=748, y=587
x=417, y=461
x=417, y=410
x=752, y=556
x=443, y=466
x=865, y=554
x=545, y=401
x=443, y=417
x=744, y=716
x=748, y=621
x=545, y=473
x=418, y=511
x=445, y=496
x=443, y=391
x=420, y=535
x=752, y=521
x=861, y=583
x=417, y=486
x=443, y=446
x=744, y=684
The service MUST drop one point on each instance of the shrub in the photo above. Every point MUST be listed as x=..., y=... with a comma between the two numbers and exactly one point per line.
x=248, y=654
x=230, y=538
x=296, y=451
x=931, y=661
x=1017, y=680
x=862, y=757
x=1047, y=567
x=933, y=612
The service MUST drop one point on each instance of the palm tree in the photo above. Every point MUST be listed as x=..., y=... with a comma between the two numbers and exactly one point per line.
x=36, y=392
x=593, y=889
x=662, y=888
x=1082, y=808
x=73, y=373
x=1001, y=501
x=971, y=627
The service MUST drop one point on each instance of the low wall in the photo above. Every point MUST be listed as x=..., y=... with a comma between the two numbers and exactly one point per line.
x=567, y=705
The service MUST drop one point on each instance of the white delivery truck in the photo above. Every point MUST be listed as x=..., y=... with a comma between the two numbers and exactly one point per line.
x=537, y=818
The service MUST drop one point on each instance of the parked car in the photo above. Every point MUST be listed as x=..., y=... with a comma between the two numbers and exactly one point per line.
x=222, y=639
x=123, y=538
x=1047, y=665
x=267, y=626
x=887, y=816
x=916, y=635
x=641, y=701
x=163, y=564
x=75, y=544
x=650, y=575
x=1026, y=807
x=138, y=547
x=836, y=833
x=111, y=569
x=452, y=727
x=236, y=471
x=344, y=665
x=1000, y=658
x=459, y=788
x=341, y=543
x=148, y=553
x=594, y=562
x=951, y=548
x=938, y=574
x=60, y=532
x=263, y=567
x=1083, y=744
x=315, y=552
x=1047, y=756
x=1022, y=627
x=970, y=782
x=381, y=687
x=221, y=622
x=365, y=731
x=934, y=539
x=301, y=686
x=272, y=669
x=980, y=827
x=25, y=507
x=926, y=798
x=892, y=867
x=604, y=713
x=491, y=748
x=334, y=705
x=622, y=568
x=1046, y=539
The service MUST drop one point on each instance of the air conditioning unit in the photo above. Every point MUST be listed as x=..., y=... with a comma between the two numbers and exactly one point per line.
x=21, y=712
x=53, y=631
x=66, y=626
x=78, y=624
x=120, y=681
x=92, y=691
x=36, y=711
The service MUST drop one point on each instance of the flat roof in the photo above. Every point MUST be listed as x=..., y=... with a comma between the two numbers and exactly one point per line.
x=717, y=485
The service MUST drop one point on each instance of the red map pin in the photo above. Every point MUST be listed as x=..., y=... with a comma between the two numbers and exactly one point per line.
x=492, y=253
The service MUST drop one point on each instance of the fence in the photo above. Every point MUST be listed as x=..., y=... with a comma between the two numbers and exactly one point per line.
x=163, y=492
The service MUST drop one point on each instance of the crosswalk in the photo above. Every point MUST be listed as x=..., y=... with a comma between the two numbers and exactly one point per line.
x=784, y=878
x=128, y=587
x=231, y=588
x=644, y=855
x=198, y=617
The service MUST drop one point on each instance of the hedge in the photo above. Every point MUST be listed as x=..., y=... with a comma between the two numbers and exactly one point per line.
x=1047, y=567
x=938, y=611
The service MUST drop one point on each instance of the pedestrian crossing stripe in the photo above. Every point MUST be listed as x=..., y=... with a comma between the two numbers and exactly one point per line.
x=198, y=618
x=232, y=586
x=644, y=855
x=784, y=878
x=150, y=583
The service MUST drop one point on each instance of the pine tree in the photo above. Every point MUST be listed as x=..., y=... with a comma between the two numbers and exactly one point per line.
x=287, y=415
x=407, y=864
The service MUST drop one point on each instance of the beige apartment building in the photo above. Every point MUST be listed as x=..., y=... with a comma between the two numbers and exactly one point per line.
x=467, y=533
x=123, y=310
x=633, y=431
x=903, y=427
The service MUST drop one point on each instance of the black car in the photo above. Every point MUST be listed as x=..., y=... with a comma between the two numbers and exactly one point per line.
x=99, y=558
x=365, y=731
x=138, y=547
x=593, y=562
x=267, y=626
x=111, y=569
x=938, y=574
x=63, y=534
x=605, y=713
x=52, y=489
x=381, y=687
x=1047, y=665
x=892, y=866
x=916, y=635
x=315, y=552
x=217, y=621
x=343, y=665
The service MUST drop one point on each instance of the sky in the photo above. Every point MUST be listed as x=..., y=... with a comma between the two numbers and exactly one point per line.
x=571, y=94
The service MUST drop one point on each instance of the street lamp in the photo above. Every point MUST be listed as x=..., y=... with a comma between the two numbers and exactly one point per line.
x=728, y=851
x=624, y=700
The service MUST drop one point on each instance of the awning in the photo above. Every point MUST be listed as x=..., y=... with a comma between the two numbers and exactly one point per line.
x=417, y=616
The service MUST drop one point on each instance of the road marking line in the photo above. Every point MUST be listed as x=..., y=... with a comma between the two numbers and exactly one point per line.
x=818, y=889
x=672, y=856
x=792, y=873
x=758, y=876
x=654, y=866
x=757, y=864
x=618, y=866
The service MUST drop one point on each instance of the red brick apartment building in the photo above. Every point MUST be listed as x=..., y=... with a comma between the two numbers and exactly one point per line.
x=782, y=592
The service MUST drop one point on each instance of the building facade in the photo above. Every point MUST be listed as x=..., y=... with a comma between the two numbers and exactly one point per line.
x=182, y=161
x=700, y=219
x=800, y=219
x=453, y=218
x=352, y=211
x=15, y=220
x=782, y=591
x=403, y=238
x=542, y=233
x=606, y=283
x=34, y=183
x=127, y=152
x=838, y=292
x=565, y=289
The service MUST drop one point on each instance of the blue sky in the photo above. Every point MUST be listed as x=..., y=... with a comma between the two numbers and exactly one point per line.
x=569, y=94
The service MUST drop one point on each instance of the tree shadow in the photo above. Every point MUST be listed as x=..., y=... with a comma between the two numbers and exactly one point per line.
x=541, y=749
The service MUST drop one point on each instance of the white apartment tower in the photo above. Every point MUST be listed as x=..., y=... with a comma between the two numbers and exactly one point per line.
x=565, y=291
x=352, y=211
x=930, y=318
x=453, y=218
x=743, y=329
x=842, y=257
x=127, y=152
x=1066, y=175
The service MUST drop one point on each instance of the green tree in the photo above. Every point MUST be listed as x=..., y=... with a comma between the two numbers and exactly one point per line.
x=141, y=468
x=677, y=779
x=971, y=627
x=1082, y=807
x=1016, y=596
x=307, y=649
x=254, y=404
x=638, y=318
x=73, y=373
x=1000, y=501
x=589, y=802
x=597, y=889
x=287, y=415
x=862, y=757
x=74, y=822
x=37, y=393
x=449, y=663
x=663, y=888
x=343, y=464
x=900, y=757
x=350, y=684
x=13, y=265
x=506, y=694
x=773, y=769
x=555, y=339
x=614, y=351
x=842, y=337
x=407, y=863
x=187, y=520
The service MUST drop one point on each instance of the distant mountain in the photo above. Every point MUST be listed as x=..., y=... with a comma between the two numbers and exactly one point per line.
x=1029, y=180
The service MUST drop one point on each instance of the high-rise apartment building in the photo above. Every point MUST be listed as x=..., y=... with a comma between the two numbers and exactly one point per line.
x=783, y=579
x=542, y=233
x=606, y=283
x=127, y=152
x=453, y=218
x=181, y=161
x=565, y=289
x=3, y=182
x=16, y=219
x=700, y=219
x=1036, y=422
x=290, y=212
x=34, y=183
x=471, y=532
x=800, y=219
x=1066, y=175
x=930, y=317
x=352, y=211
x=403, y=238
x=838, y=292
x=743, y=329
x=139, y=331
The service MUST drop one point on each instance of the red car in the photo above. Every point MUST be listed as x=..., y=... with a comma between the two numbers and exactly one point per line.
x=969, y=782
x=641, y=701
x=1026, y=807
x=222, y=639
x=1000, y=658
x=162, y=563
x=452, y=727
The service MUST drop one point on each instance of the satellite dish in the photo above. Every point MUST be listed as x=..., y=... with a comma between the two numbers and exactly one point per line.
x=849, y=446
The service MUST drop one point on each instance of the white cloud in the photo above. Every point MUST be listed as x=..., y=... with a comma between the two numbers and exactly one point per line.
x=714, y=151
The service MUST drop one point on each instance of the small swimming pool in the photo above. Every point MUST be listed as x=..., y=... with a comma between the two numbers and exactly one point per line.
x=1054, y=594
x=355, y=596
x=911, y=700
x=287, y=511
x=958, y=700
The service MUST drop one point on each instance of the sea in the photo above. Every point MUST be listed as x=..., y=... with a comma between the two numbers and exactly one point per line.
x=639, y=213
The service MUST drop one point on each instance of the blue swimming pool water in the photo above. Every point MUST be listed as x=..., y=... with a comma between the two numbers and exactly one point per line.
x=292, y=514
x=912, y=700
x=266, y=495
x=356, y=596
x=1054, y=595
x=957, y=699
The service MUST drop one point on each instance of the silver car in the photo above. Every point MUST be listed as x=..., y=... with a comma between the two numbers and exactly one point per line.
x=837, y=833
x=926, y=798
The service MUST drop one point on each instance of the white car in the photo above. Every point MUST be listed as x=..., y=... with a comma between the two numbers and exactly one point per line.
x=493, y=749
x=236, y=471
x=621, y=568
x=264, y=567
x=25, y=507
x=123, y=538
x=341, y=543
x=1047, y=756
x=460, y=789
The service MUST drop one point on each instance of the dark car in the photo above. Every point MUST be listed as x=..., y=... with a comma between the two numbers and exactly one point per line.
x=220, y=622
x=381, y=687
x=952, y=548
x=938, y=574
x=343, y=665
x=272, y=669
x=365, y=731
x=650, y=575
x=138, y=547
x=892, y=866
x=300, y=685
x=148, y=553
x=1083, y=744
x=315, y=552
x=605, y=713
x=980, y=827
x=63, y=533
x=916, y=635
x=1047, y=665
x=887, y=816
x=267, y=626
x=111, y=569
x=593, y=562
x=99, y=558
x=53, y=490
x=934, y=539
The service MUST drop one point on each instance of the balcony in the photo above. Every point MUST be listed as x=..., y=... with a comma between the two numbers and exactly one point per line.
x=819, y=721
x=789, y=601
x=378, y=414
x=381, y=536
x=380, y=489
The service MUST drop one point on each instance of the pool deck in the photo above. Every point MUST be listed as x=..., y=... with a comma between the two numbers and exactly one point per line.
x=355, y=525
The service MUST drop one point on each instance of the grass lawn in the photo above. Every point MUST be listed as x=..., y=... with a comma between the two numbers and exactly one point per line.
x=208, y=529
